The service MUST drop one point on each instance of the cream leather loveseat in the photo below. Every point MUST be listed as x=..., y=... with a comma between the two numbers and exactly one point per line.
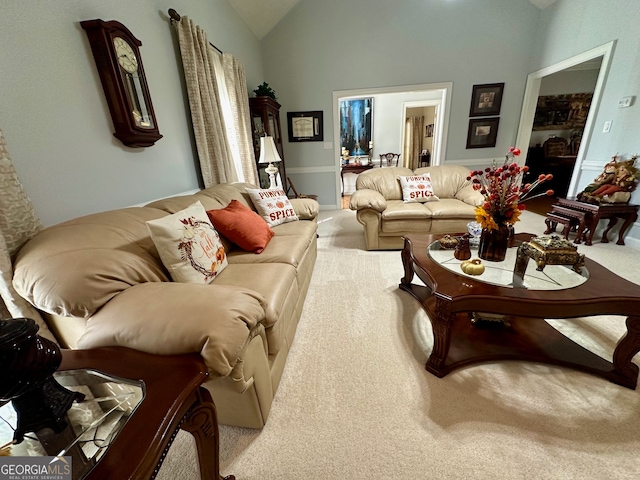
x=102, y=282
x=386, y=217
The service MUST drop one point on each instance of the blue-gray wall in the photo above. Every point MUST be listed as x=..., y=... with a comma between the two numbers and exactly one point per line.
x=332, y=45
x=53, y=111
x=57, y=125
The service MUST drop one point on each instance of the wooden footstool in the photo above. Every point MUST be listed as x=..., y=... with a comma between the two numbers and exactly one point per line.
x=553, y=219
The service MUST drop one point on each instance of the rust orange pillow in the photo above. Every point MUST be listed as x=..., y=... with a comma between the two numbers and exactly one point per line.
x=242, y=226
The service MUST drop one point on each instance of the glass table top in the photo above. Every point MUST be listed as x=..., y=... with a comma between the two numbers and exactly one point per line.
x=553, y=277
x=92, y=423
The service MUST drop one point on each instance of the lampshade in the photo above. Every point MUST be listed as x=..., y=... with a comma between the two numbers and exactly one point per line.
x=268, y=151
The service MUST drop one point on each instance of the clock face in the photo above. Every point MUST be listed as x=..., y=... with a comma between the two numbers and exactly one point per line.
x=126, y=56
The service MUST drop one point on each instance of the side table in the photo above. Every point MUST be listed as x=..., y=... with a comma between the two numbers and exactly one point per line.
x=169, y=396
x=351, y=168
x=613, y=211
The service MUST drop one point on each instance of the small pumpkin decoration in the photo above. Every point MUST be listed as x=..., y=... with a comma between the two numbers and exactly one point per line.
x=472, y=267
x=448, y=242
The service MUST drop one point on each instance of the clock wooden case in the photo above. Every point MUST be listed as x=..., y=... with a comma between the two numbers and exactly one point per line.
x=117, y=56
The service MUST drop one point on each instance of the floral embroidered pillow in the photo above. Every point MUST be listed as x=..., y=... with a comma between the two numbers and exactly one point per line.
x=189, y=246
x=417, y=188
x=273, y=205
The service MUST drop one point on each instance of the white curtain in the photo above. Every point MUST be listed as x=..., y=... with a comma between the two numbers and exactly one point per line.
x=18, y=224
x=236, y=83
x=413, y=142
x=219, y=103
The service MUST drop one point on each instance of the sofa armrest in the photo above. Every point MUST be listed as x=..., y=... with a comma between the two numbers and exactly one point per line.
x=305, y=208
x=367, y=198
x=467, y=194
x=168, y=318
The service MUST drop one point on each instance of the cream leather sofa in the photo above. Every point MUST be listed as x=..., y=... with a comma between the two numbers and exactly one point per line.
x=386, y=217
x=102, y=283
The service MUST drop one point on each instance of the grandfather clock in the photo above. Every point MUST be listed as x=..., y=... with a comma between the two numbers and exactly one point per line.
x=265, y=120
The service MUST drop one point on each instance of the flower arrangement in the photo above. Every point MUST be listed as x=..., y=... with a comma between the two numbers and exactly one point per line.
x=504, y=194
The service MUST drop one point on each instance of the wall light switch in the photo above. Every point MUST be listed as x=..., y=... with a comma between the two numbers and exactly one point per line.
x=607, y=127
x=328, y=145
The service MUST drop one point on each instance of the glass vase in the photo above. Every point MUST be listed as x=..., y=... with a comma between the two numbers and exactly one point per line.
x=493, y=243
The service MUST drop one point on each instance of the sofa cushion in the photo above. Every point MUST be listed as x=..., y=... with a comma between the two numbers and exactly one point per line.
x=188, y=245
x=446, y=180
x=289, y=249
x=305, y=229
x=273, y=205
x=451, y=208
x=305, y=208
x=399, y=210
x=384, y=181
x=417, y=188
x=168, y=318
x=242, y=226
x=272, y=281
x=51, y=270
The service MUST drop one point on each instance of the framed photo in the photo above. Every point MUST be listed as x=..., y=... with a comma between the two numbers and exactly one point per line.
x=482, y=132
x=305, y=126
x=429, y=130
x=486, y=99
x=356, y=126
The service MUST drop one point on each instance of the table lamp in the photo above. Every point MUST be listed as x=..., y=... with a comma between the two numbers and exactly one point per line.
x=269, y=154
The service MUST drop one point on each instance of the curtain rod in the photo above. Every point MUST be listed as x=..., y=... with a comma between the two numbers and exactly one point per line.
x=175, y=16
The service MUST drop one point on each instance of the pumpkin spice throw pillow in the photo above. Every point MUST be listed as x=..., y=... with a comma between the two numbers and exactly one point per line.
x=188, y=245
x=417, y=188
x=272, y=205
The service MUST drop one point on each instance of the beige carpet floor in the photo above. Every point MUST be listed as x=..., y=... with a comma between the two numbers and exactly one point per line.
x=356, y=402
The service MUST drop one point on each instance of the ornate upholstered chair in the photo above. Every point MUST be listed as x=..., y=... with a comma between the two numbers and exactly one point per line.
x=391, y=159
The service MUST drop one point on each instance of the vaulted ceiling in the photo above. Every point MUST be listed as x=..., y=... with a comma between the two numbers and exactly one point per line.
x=262, y=15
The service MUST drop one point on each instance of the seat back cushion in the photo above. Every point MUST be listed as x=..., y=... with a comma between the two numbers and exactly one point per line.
x=383, y=180
x=446, y=180
x=74, y=268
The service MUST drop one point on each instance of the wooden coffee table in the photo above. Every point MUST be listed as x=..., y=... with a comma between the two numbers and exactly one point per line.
x=450, y=299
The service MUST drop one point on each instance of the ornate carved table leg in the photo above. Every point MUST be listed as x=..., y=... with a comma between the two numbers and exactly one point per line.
x=628, y=346
x=580, y=231
x=441, y=325
x=408, y=265
x=202, y=423
x=593, y=224
x=627, y=223
x=551, y=226
x=612, y=222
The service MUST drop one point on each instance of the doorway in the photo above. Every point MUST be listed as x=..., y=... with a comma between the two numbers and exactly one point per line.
x=600, y=58
x=389, y=113
x=421, y=122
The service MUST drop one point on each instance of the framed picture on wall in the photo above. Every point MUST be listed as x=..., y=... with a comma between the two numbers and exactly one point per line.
x=305, y=126
x=482, y=132
x=429, y=130
x=356, y=123
x=486, y=99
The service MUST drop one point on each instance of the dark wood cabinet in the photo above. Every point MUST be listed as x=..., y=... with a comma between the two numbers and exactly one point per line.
x=265, y=120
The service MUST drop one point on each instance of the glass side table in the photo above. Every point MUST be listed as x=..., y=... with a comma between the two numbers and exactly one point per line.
x=134, y=405
x=92, y=424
